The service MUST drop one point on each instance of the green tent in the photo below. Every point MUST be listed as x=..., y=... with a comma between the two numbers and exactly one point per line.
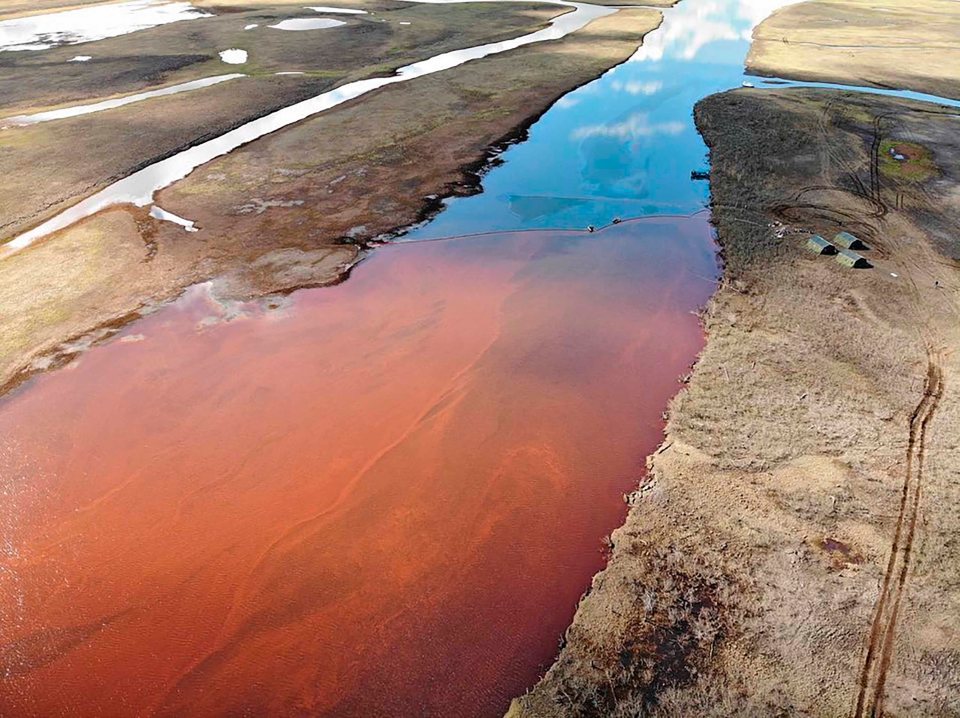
x=848, y=241
x=852, y=260
x=818, y=245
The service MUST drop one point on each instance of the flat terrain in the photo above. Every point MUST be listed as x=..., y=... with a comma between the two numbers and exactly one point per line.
x=884, y=43
x=21, y=8
x=792, y=551
x=295, y=208
x=35, y=182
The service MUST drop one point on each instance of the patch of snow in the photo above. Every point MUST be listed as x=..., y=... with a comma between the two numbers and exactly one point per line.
x=298, y=24
x=251, y=26
x=233, y=56
x=165, y=216
x=71, y=27
x=337, y=10
x=80, y=58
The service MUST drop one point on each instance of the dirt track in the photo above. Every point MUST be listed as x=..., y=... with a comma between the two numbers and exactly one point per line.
x=883, y=631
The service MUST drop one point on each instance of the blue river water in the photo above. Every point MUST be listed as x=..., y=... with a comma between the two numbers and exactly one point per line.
x=625, y=144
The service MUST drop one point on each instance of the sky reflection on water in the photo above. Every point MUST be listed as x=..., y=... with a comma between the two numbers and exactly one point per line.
x=625, y=144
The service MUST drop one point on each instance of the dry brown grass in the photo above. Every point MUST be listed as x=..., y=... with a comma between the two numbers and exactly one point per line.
x=863, y=42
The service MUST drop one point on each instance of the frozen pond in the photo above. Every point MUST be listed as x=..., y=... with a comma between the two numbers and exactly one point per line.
x=299, y=23
x=39, y=32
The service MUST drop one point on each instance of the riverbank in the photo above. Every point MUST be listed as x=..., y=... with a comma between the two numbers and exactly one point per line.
x=295, y=208
x=790, y=550
x=757, y=543
x=884, y=43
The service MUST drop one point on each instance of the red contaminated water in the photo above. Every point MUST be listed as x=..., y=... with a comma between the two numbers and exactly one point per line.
x=382, y=498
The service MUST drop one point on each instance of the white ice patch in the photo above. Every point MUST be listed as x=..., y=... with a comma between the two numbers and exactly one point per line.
x=70, y=27
x=251, y=26
x=299, y=24
x=337, y=10
x=165, y=216
x=77, y=110
x=80, y=58
x=233, y=56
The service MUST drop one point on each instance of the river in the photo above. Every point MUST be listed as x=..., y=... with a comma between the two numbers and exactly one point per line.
x=385, y=497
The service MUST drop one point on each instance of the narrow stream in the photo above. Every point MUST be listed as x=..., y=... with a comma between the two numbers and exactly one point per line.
x=382, y=498
x=139, y=187
x=104, y=105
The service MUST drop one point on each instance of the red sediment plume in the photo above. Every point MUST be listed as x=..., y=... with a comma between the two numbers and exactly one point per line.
x=381, y=498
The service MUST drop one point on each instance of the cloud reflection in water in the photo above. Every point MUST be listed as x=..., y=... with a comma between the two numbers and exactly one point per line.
x=625, y=144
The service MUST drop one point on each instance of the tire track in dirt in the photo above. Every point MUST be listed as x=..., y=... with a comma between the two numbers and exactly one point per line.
x=882, y=635
x=881, y=639
x=875, y=160
x=883, y=630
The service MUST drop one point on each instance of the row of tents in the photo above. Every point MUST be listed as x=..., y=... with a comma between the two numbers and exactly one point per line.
x=842, y=248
